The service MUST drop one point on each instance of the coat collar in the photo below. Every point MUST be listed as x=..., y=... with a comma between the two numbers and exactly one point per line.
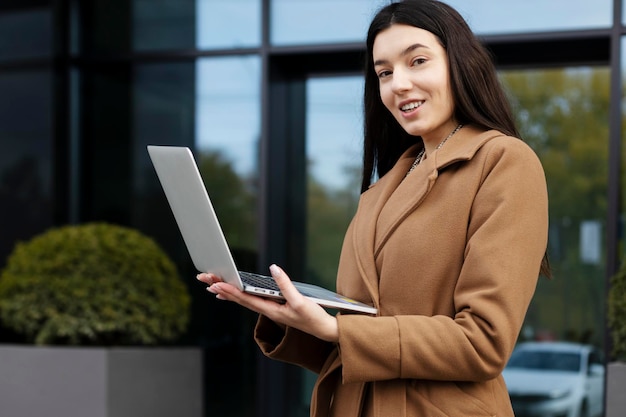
x=462, y=146
x=415, y=187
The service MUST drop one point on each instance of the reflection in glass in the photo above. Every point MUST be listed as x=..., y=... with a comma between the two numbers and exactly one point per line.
x=555, y=379
x=546, y=361
x=191, y=24
x=334, y=137
x=25, y=34
x=227, y=125
x=228, y=109
x=321, y=21
x=513, y=16
x=563, y=114
x=26, y=170
x=228, y=23
x=227, y=139
x=622, y=236
x=163, y=24
x=162, y=114
x=213, y=106
x=333, y=148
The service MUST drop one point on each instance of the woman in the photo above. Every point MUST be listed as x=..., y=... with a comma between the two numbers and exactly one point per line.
x=447, y=244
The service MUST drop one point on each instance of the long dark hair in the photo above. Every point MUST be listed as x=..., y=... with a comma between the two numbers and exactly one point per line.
x=478, y=96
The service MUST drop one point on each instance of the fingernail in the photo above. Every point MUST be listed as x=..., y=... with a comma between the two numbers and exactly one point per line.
x=275, y=269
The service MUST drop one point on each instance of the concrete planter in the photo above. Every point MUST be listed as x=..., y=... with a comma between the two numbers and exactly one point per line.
x=615, y=383
x=100, y=382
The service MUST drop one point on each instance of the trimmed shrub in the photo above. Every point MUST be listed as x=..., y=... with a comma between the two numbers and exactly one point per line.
x=617, y=313
x=93, y=284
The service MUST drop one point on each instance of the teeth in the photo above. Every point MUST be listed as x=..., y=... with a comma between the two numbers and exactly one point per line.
x=411, y=106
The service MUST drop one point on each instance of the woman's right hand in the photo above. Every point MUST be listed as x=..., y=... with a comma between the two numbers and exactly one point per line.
x=297, y=311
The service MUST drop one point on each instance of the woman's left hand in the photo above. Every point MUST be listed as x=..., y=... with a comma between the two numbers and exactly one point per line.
x=298, y=311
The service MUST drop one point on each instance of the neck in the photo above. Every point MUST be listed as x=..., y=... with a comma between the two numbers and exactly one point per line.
x=431, y=146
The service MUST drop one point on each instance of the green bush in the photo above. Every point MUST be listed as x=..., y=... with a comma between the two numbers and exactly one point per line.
x=617, y=313
x=93, y=284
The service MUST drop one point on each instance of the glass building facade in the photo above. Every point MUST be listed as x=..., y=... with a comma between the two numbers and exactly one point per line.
x=268, y=95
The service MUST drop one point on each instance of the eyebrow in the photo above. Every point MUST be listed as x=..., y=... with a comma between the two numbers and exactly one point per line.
x=406, y=51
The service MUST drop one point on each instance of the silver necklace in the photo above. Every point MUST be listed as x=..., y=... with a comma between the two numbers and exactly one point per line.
x=420, y=155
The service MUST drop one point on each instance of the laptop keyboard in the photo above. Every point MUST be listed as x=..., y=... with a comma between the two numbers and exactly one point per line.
x=258, y=280
x=264, y=281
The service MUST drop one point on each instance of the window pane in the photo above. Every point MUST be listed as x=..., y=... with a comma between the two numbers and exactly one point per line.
x=228, y=24
x=25, y=34
x=513, y=16
x=320, y=21
x=26, y=170
x=334, y=141
x=212, y=106
x=563, y=114
x=622, y=236
x=163, y=114
x=202, y=24
x=163, y=24
x=227, y=135
x=227, y=140
x=309, y=21
x=334, y=138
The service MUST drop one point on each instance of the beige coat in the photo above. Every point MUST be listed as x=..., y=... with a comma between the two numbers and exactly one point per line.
x=450, y=255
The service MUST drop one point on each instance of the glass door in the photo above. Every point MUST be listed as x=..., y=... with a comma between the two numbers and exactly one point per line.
x=563, y=114
x=333, y=179
x=333, y=153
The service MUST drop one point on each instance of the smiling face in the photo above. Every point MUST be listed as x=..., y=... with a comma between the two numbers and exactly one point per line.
x=412, y=69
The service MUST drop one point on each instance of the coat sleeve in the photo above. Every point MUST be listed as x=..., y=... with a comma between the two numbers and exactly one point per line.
x=291, y=345
x=506, y=241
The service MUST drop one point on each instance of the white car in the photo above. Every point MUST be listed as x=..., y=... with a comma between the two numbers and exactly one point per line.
x=555, y=379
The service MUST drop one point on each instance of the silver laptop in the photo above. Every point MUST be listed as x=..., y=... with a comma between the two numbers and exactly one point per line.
x=188, y=198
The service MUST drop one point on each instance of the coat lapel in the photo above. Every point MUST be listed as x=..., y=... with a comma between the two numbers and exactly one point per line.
x=414, y=189
x=370, y=205
x=407, y=194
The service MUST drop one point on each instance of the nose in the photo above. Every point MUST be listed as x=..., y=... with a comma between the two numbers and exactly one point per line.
x=401, y=81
